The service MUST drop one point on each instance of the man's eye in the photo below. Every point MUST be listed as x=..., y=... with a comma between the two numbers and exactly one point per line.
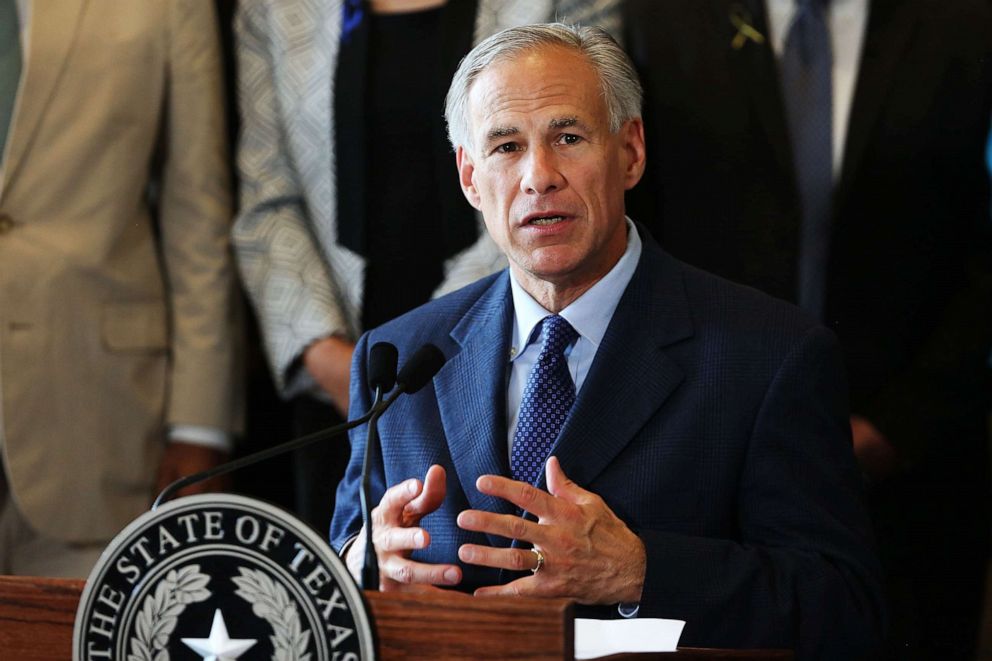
x=506, y=148
x=569, y=139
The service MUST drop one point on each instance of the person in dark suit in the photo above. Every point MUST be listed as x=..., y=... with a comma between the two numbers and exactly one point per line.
x=679, y=443
x=906, y=277
x=335, y=98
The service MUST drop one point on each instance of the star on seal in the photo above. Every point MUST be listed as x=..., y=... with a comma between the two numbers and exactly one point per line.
x=219, y=646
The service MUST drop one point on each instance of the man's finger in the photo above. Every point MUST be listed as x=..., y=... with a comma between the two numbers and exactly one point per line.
x=394, y=538
x=528, y=586
x=559, y=485
x=429, y=498
x=389, y=511
x=509, y=526
x=555, y=476
x=487, y=556
x=526, y=497
x=403, y=570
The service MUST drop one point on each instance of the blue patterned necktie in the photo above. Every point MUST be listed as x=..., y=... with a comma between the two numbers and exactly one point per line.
x=10, y=66
x=548, y=397
x=807, y=69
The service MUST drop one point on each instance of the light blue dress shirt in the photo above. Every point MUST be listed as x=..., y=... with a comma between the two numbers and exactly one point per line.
x=589, y=315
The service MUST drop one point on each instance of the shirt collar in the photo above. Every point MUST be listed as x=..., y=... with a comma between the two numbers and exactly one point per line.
x=589, y=314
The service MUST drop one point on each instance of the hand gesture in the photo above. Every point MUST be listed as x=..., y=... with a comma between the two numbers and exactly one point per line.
x=582, y=550
x=396, y=534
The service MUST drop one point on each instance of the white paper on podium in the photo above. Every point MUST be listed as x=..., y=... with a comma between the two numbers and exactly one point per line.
x=595, y=638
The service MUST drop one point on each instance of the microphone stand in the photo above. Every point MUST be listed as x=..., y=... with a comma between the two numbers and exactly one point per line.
x=421, y=367
x=370, y=568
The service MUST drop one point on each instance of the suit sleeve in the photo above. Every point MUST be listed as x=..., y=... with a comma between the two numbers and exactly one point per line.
x=801, y=568
x=195, y=219
x=281, y=265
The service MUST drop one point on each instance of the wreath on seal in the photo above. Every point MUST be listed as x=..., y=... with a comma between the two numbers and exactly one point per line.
x=272, y=603
x=161, y=610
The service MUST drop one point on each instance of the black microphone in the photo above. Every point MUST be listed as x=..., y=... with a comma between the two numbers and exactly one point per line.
x=382, y=375
x=421, y=368
x=382, y=366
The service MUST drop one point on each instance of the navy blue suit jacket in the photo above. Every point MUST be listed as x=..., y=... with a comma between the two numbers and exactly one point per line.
x=713, y=421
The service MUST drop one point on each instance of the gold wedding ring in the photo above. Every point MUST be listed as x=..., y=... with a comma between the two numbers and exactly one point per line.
x=540, y=559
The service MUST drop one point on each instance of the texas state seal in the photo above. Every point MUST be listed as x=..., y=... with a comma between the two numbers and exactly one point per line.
x=216, y=577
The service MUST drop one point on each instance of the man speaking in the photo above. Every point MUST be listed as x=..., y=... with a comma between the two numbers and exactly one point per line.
x=611, y=425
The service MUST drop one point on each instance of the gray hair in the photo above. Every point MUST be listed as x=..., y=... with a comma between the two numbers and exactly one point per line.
x=621, y=87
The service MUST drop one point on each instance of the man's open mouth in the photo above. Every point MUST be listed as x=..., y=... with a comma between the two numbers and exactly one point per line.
x=545, y=220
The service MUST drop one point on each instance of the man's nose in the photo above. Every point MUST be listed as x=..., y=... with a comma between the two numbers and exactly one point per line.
x=541, y=172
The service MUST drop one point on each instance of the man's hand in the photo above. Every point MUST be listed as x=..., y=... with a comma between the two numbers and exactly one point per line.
x=396, y=533
x=874, y=453
x=329, y=363
x=182, y=459
x=590, y=554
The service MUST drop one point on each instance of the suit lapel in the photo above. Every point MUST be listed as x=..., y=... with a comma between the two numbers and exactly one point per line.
x=471, y=395
x=54, y=26
x=890, y=26
x=756, y=72
x=631, y=377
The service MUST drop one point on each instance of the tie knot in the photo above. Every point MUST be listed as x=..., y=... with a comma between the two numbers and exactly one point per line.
x=557, y=334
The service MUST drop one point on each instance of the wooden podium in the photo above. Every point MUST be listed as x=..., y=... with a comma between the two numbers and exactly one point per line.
x=36, y=619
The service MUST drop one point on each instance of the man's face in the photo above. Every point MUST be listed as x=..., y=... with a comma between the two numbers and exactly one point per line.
x=545, y=170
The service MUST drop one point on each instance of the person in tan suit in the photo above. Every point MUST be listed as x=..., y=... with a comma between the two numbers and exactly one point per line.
x=117, y=309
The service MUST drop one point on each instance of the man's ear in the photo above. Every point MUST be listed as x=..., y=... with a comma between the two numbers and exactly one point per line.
x=635, y=152
x=466, y=177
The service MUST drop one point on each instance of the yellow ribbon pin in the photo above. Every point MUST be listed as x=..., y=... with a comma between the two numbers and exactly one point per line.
x=741, y=19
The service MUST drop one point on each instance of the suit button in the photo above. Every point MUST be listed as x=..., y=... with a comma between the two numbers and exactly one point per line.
x=6, y=223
